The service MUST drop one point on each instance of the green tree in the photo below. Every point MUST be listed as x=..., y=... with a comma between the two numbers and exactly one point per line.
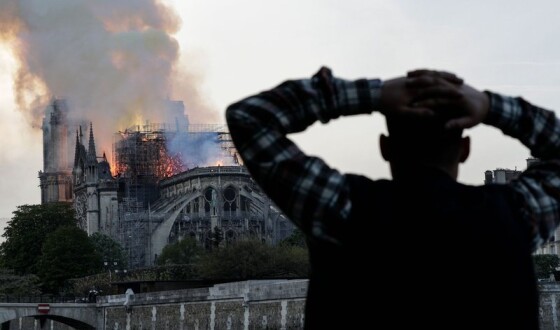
x=67, y=253
x=215, y=238
x=240, y=260
x=186, y=251
x=545, y=264
x=22, y=285
x=26, y=232
x=295, y=239
x=252, y=259
x=291, y=261
x=109, y=249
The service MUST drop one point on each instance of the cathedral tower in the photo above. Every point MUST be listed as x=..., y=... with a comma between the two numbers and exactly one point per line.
x=94, y=187
x=56, y=176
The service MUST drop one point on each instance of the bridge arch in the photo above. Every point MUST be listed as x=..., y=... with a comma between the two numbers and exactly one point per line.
x=76, y=315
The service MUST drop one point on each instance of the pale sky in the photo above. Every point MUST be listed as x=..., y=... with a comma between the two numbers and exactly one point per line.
x=238, y=48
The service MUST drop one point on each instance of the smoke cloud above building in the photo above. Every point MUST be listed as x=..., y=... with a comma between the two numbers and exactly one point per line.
x=115, y=62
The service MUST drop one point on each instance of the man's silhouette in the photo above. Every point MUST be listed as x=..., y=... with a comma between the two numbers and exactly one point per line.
x=421, y=250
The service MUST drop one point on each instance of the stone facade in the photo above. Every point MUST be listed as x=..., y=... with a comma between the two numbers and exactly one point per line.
x=55, y=180
x=152, y=201
x=95, y=189
x=29, y=323
x=277, y=304
x=270, y=304
x=549, y=310
x=198, y=202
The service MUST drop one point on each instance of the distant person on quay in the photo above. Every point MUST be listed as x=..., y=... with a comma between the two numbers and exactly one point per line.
x=422, y=250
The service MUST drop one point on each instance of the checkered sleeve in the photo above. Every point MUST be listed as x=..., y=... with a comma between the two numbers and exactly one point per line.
x=312, y=194
x=539, y=185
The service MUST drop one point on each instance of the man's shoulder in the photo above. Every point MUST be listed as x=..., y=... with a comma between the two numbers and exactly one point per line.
x=427, y=181
x=360, y=179
x=439, y=188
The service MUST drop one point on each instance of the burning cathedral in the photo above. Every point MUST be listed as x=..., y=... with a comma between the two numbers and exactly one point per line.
x=164, y=182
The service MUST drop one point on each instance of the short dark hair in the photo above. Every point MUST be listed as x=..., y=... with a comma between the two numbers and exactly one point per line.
x=423, y=139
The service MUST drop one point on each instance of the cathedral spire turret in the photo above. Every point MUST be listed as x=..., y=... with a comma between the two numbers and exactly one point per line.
x=77, y=149
x=91, y=148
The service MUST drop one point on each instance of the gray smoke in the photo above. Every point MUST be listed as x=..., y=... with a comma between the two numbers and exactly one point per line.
x=199, y=149
x=113, y=61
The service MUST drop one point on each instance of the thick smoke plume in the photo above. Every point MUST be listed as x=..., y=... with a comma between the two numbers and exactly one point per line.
x=113, y=61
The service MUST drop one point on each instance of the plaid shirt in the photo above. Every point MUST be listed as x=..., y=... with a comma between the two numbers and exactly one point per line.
x=316, y=197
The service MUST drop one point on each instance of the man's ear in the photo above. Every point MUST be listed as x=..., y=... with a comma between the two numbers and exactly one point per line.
x=465, y=149
x=385, y=147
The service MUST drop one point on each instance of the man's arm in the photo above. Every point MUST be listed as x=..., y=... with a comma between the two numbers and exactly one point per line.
x=313, y=195
x=539, y=130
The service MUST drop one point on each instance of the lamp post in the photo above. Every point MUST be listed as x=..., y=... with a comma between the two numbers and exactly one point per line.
x=129, y=250
x=110, y=265
x=121, y=273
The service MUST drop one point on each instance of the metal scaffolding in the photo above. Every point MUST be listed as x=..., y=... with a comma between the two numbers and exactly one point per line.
x=145, y=154
x=142, y=152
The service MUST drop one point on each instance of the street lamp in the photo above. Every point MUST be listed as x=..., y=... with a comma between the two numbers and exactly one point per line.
x=109, y=266
x=120, y=273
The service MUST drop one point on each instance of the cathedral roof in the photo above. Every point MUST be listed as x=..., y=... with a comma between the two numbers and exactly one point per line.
x=91, y=148
x=80, y=153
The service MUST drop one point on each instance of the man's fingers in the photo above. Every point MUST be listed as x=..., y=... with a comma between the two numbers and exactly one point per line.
x=428, y=84
x=419, y=72
x=421, y=81
x=416, y=111
x=461, y=122
x=437, y=92
x=431, y=103
x=448, y=76
x=451, y=77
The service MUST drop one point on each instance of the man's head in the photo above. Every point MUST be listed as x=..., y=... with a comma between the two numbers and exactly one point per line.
x=415, y=140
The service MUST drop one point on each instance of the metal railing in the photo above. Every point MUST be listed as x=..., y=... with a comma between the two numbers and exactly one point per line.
x=8, y=298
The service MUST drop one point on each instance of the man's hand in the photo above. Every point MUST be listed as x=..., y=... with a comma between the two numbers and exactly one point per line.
x=398, y=94
x=465, y=111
